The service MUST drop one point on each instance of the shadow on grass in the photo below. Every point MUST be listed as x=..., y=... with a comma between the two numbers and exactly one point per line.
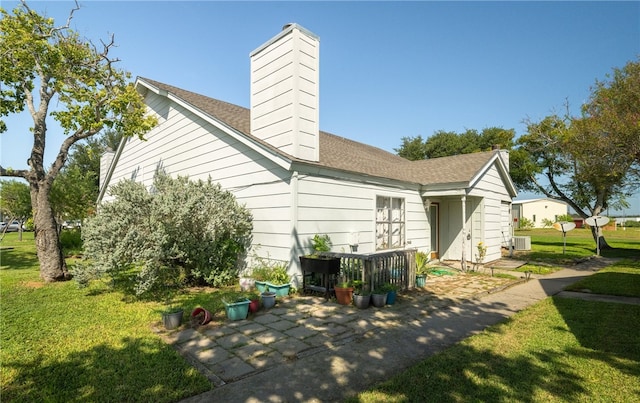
x=18, y=259
x=139, y=371
x=532, y=367
x=471, y=374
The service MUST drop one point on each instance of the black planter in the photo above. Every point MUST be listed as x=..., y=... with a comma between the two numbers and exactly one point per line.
x=323, y=265
x=327, y=266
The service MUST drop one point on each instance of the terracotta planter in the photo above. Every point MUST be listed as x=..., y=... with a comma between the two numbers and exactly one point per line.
x=344, y=295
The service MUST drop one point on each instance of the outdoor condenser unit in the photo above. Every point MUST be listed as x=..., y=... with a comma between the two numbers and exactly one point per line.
x=522, y=242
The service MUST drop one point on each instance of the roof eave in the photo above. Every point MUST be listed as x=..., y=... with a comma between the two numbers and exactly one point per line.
x=278, y=157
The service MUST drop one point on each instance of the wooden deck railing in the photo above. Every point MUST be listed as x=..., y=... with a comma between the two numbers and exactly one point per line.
x=375, y=269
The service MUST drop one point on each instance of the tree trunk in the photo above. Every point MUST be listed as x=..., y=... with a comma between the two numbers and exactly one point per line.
x=599, y=239
x=52, y=264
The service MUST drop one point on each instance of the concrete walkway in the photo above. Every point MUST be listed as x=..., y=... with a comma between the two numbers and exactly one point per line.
x=308, y=350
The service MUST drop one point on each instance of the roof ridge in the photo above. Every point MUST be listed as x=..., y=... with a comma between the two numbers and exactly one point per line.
x=345, y=154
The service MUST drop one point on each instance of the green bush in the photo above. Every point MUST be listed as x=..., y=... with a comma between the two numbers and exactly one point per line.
x=180, y=233
x=71, y=241
x=525, y=224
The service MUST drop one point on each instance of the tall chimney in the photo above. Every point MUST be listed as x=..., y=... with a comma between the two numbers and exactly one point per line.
x=284, y=92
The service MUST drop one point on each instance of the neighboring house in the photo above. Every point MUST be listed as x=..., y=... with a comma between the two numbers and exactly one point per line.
x=538, y=210
x=299, y=181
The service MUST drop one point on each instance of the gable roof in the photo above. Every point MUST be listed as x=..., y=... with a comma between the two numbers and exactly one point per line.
x=347, y=155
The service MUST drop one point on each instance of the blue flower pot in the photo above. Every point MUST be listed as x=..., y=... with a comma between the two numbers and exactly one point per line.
x=237, y=310
x=391, y=297
x=261, y=286
x=281, y=290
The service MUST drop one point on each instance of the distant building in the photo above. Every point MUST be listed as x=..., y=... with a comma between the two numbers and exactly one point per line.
x=537, y=210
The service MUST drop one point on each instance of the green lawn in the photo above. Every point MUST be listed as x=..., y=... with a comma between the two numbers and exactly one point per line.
x=61, y=343
x=559, y=350
x=547, y=245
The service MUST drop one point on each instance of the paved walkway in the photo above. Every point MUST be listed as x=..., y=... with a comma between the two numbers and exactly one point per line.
x=307, y=349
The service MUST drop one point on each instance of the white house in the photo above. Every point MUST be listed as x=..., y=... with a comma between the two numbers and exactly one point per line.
x=299, y=181
x=539, y=210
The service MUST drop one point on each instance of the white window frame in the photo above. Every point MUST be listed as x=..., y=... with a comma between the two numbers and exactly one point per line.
x=391, y=222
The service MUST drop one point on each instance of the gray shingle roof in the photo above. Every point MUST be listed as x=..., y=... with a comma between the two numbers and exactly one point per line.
x=343, y=154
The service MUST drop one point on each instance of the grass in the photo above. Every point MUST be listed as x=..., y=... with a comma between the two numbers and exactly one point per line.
x=548, y=244
x=558, y=350
x=61, y=343
x=551, y=352
x=619, y=279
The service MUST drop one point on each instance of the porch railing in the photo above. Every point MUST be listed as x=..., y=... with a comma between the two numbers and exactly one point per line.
x=376, y=269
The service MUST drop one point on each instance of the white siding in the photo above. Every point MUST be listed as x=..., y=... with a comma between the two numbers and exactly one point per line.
x=543, y=209
x=485, y=220
x=491, y=188
x=185, y=144
x=284, y=92
x=340, y=208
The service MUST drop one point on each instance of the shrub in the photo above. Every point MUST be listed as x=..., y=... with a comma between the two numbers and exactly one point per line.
x=71, y=241
x=525, y=224
x=547, y=223
x=180, y=233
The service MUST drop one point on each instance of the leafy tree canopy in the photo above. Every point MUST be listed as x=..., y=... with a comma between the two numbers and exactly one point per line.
x=15, y=201
x=43, y=65
x=590, y=161
x=443, y=143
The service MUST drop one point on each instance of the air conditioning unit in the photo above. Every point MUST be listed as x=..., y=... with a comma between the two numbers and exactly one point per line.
x=522, y=242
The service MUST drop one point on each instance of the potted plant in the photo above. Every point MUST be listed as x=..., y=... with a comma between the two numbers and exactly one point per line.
x=247, y=281
x=392, y=292
x=260, y=275
x=344, y=292
x=172, y=317
x=316, y=263
x=236, y=308
x=254, y=301
x=361, y=297
x=421, y=268
x=379, y=297
x=201, y=316
x=278, y=280
x=268, y=298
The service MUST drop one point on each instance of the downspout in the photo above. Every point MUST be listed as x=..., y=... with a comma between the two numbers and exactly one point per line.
x=293, y=261
x=463, y=259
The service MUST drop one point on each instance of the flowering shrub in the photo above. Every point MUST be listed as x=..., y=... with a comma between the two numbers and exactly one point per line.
x=179, y=233
x=482, y=252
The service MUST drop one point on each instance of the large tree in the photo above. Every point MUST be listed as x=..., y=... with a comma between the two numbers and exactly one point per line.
x=590, y=161
x=75, y=190
x=443, y=143
x=50, y=71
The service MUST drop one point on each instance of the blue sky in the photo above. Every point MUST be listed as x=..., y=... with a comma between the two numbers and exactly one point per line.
x=387, y=69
